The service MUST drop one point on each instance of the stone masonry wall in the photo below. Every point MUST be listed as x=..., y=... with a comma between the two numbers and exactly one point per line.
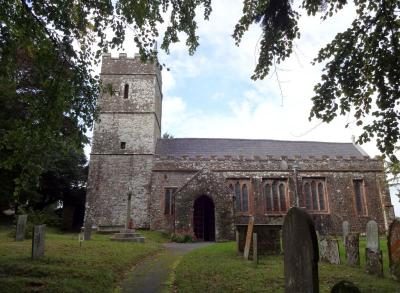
x=339, y=174
x=134, y=121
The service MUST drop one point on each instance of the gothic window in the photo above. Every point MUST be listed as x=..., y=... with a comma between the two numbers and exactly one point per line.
x=275, y=196
x=245, y=198
x=169, y=200
x=237, y=196
x=126, y=91
x=268, y=197
x=314, y=194
x=359, y=196
x=241, y=194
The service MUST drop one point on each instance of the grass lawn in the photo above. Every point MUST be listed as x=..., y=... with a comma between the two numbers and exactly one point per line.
x=97, y=266
x=218, y=268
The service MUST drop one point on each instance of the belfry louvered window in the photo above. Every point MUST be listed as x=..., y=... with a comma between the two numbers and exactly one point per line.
x=275, y=195
x=314, y=194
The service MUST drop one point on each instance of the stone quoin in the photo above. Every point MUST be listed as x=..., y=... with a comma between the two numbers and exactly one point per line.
x=203, y=187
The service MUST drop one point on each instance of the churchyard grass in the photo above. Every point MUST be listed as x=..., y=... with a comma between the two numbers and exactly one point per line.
x=218, y=268
x=97, y=266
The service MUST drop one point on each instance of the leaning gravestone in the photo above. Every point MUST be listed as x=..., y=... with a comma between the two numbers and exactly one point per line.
x=38, y=241
x=300, y=246
x=352, y=249
x=329, y=250
x=21, y=225
x=87, y=232
x=394, y=249
x=373, y=254
x=346, y=230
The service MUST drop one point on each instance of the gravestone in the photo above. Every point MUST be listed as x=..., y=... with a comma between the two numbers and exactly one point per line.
x=352, y=249
x=301, y=256
x=237, y=241
x=38, y=241
x=373, y=254
x=21, y=226
x=255, y=251
x=87, y=230
x=394, y=249
x=346, y=230
x=329, y=250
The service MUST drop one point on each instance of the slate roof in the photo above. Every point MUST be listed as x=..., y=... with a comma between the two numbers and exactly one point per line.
x=220, y=147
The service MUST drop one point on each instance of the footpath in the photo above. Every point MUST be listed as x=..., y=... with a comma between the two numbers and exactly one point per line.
x=152, y=275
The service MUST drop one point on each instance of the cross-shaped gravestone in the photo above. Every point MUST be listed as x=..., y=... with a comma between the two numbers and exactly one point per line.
x=300, y=252
x=373, y=254
x=38, y=241
x=394, y=249
x=21, y=226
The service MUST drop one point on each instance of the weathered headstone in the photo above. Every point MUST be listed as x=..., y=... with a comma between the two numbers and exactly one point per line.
x=329, y=250
x=255, y=250
x=21, y=226
x=249, y=234
x=394, y=249
x=38, y=241
x=352, y=249
x=301, y=256
x=87, y=230
x=373, y=254
x=373, y=236
x=346, y=230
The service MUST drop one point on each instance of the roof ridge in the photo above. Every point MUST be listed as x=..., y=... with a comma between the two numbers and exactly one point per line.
x=253, y=139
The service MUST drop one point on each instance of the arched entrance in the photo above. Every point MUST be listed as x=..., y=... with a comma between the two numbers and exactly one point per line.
x=204, y=218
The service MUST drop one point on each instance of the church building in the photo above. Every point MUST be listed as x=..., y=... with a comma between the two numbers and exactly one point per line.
x=203, y=187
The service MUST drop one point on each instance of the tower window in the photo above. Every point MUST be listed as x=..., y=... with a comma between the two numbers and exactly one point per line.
x=123, y=145
x=126, y=91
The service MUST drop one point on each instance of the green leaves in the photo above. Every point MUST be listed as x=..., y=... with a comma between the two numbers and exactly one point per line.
x=362, y=73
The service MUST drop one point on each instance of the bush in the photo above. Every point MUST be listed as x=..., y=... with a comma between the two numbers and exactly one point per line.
x=181, y=238
x=47, y=216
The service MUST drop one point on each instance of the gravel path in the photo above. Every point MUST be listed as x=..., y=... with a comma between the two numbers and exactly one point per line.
x=151, y=275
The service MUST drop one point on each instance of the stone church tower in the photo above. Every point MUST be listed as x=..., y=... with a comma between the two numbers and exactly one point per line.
x=124, y=141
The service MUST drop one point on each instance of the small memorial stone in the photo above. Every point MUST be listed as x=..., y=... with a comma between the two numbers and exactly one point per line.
x=21, y=226
x=373, y=236
x=394, y=249
x=87, y=231
x=300, y=252
x=255, y=251
x=352, y=249
x=346, y=230
x=373, y=254
x=38, y=241
x=329, y=250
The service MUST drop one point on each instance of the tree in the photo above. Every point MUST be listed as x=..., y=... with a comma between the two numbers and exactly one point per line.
x=47, y=52
x=166, y=135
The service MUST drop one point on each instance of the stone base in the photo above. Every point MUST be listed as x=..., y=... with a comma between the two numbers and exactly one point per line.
x=109, y=229
x=127, y=235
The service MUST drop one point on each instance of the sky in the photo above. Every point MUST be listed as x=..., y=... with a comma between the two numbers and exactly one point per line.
x=211, y=94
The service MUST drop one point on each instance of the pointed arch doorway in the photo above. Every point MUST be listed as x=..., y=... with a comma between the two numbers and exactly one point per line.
x=204, y=218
